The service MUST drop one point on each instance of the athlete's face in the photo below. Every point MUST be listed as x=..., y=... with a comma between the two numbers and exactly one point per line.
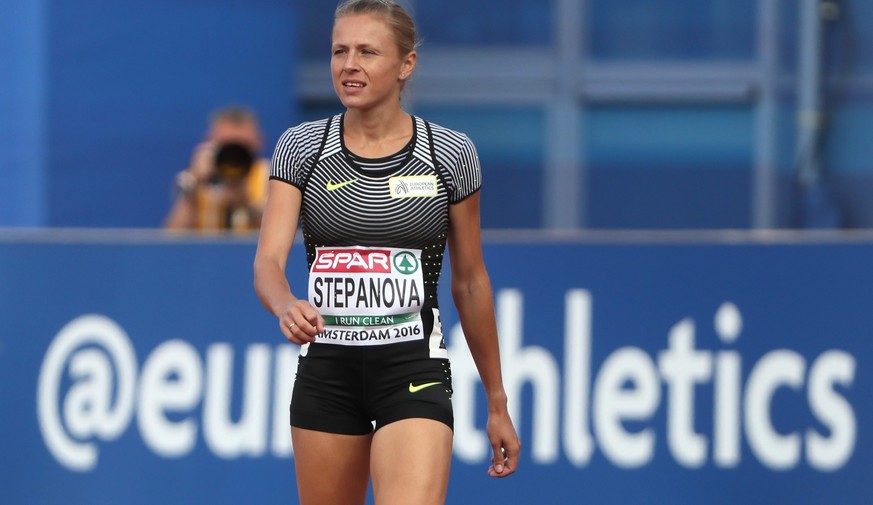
x=366, y=65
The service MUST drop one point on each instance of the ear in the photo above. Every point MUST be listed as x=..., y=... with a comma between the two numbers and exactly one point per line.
x=408, y=65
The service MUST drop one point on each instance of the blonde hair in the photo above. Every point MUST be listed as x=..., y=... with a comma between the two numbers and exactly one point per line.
x=237, y=114
x=394, y=14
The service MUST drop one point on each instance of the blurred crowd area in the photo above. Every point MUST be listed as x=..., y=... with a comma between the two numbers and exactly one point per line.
x=587, y=114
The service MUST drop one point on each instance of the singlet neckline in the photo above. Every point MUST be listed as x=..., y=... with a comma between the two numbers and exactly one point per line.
x=405, y=152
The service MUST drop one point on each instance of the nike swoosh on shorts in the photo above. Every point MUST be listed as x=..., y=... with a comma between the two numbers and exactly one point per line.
x=416, y=389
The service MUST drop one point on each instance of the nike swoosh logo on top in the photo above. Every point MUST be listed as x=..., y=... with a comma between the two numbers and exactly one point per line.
x=416, y=389
x=331, y=186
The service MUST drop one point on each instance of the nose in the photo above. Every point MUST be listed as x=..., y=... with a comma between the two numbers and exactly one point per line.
x=350, y=63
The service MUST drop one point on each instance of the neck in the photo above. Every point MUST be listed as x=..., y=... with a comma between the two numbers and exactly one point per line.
x=376, y=132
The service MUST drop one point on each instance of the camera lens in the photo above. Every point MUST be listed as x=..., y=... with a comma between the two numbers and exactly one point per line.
x=233, y=161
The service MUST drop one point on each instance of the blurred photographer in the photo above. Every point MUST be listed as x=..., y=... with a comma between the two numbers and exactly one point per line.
x=224, y=186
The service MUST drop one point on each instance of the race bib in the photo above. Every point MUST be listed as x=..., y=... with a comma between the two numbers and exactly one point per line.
x=368, y=295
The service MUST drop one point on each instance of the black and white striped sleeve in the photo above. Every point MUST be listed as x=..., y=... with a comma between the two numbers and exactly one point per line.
x=457, y=152
x=295, y=152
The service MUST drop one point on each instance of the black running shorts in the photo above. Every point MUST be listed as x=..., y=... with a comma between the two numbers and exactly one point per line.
x=352, y=390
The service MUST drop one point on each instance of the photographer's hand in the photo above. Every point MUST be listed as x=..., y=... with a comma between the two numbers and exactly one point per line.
x=202, y=165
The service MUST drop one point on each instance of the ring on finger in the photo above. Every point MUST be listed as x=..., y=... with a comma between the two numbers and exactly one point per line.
x=291, y=326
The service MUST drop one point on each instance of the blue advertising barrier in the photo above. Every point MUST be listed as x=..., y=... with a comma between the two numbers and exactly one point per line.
x=141, y=369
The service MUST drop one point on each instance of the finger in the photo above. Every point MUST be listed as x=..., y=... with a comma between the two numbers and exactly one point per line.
x=203, y=159
x=499, y=459
x=510, y=464
x=317, y=323
x=506, y=472
x=314, y=323
x=295, y=335
x=505, y=460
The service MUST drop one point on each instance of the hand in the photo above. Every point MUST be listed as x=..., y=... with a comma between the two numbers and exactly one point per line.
x=504, y=443
x=300, y=322
x=202, y=165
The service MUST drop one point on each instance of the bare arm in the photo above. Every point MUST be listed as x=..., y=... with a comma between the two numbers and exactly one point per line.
x=183, y=214
x=473, y=297
x=298, y=320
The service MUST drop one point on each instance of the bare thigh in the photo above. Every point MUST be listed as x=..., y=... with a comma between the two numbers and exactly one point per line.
x=410, y=462
x=331, y=468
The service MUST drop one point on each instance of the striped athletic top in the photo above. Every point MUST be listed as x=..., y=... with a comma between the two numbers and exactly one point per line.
x=358, y=207
x=311, y=155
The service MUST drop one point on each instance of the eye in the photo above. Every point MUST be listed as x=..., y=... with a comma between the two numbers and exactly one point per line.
x=338, y=50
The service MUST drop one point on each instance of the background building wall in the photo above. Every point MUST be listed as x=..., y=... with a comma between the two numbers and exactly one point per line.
x=587, y=114
x=629, y=114
x=108, y=98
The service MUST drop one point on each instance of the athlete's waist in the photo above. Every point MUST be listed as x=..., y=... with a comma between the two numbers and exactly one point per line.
x=393, y=353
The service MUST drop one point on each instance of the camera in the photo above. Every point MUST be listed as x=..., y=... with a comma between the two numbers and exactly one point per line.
x=232, y=162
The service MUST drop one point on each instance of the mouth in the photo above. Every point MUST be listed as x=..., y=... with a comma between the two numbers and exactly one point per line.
x=353, y=84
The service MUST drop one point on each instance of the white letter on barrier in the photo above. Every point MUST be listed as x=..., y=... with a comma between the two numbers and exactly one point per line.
x=831, y=453
x=775, y=369
x=726, y=444
x=248, y=436
x=172, y=381
x=614, y=403
x=578, y=442
x=286, y=364
x=682, y=368
x=106, y=425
